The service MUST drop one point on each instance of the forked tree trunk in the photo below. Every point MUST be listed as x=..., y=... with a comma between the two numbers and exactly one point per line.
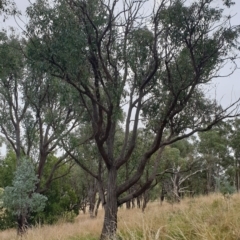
x=111, y=208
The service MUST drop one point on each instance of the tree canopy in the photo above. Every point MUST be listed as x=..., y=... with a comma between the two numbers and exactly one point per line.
x=128, y=75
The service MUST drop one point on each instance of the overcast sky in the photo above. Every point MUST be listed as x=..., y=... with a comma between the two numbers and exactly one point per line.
x=226, y=89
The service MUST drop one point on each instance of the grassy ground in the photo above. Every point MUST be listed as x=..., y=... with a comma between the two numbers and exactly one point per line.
x=203, y=218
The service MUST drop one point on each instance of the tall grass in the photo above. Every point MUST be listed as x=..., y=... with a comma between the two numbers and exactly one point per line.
x=204, y=218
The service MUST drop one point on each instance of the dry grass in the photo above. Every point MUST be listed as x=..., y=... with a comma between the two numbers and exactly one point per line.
x=83, y=228
x=203, y=218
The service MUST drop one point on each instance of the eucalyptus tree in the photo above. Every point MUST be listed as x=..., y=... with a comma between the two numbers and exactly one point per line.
x=53, y=117
x=150, y=66
x=180, y=164
x=7, y=7
x=7, y=169
x=12, y=106
x=36, y=112
x=233, y=136
x=214, y=149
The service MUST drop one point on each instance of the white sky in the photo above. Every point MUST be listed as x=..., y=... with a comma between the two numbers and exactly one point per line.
x=227, y=89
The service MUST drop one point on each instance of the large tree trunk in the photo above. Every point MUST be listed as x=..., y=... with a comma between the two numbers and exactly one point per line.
x=111, y=208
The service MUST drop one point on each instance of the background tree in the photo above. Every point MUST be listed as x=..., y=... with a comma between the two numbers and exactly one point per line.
x=62, y=194
x=12, y=75
x=36, y=111
x=234, y=139
x=7, y=7
x=179, y=165
x=7, y=169
x=214, y=148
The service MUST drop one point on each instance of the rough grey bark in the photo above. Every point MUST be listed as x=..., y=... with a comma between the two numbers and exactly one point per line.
x=111, y=207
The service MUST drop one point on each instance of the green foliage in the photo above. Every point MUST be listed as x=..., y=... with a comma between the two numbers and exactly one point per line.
x=11, y=59
x=7, y=220
x=7, y=7
x=212, y=142
x=7, y=169
x=61, y=204
x=139, y=50
x=66, y=34
x=21, y=199
x=61, y=194
x=226, y=188
x=228, y=3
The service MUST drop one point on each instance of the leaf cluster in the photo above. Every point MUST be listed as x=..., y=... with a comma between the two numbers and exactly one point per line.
x=21, y=198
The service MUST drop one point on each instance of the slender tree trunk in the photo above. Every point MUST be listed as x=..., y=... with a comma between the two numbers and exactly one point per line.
x=162, y=196
x=97, y=207
x=237, y=178
x=176, y=194
x=139, y=201
x=22, y=224
x=18, y=144
x=145, y=200
x=175, y=181
x=209, y=179
x=92, y=199
x=91, y=209
x=83, y=207
x=128, y=204
x=133, y=203
x=111, y=208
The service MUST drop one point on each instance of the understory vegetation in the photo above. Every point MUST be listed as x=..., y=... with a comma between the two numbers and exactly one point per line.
x=212, y=217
